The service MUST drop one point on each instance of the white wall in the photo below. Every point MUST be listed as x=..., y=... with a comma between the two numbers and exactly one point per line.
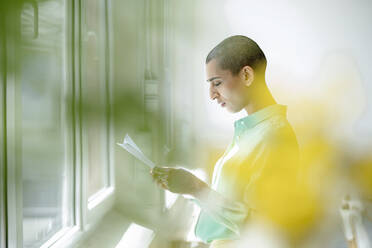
x=136, y=59
x=318, y=61
x=136, y=196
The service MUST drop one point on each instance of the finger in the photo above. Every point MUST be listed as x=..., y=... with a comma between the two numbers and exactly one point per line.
x=157, y=173
x=161, y=169
x=162, y=184
x=155, y=169
x=164, y=180
x=161, y=175
x=158, y=182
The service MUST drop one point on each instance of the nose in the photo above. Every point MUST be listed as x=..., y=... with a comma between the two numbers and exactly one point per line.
x=213, y=94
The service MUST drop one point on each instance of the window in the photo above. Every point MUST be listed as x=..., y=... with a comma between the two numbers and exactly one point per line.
x=55, y=131
x=95, y=95
x=43, y=117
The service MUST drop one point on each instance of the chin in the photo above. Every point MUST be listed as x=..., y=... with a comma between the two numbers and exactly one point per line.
x=233, y=111
x=231, y=108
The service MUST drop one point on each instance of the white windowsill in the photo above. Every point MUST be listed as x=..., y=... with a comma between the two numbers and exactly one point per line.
x=61, y=237
x=70, y=236
x=99, y=197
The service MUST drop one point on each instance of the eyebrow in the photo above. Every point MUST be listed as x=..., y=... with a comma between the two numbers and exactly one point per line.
x=212, y=78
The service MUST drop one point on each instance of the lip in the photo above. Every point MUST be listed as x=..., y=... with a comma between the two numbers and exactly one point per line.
x=223, y=104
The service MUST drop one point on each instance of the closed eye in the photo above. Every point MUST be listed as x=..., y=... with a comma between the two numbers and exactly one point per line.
x=215, y=84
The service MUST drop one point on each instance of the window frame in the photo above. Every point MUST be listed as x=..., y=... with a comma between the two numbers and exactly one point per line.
x=87, y=214
x=13, y=170
x=3, y=178
x=96, y=198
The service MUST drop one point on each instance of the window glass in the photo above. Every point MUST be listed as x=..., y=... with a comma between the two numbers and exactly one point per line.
x=43, y=120
x=94, y=94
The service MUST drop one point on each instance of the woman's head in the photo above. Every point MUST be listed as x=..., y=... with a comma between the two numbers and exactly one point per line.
x=237, y=51
x=231, y=68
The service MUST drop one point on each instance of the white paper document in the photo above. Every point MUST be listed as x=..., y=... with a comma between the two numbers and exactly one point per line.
x=129, y=145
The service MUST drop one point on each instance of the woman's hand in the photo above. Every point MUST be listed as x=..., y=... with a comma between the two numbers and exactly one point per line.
x=177, y=180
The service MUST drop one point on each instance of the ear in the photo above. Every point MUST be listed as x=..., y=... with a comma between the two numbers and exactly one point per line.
x=247, y=74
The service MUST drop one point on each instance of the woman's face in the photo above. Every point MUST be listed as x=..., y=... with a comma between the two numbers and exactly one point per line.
x=230, y=91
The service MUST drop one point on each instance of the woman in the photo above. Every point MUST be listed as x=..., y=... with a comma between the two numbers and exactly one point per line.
x=260, y=165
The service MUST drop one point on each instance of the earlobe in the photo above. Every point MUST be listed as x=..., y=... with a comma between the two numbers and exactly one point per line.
x=249, y=76
x=248, y=83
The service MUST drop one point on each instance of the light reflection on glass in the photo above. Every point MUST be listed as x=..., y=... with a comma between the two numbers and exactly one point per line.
x=42, y=79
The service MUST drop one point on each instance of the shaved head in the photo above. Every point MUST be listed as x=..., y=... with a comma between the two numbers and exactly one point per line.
x=238, y=51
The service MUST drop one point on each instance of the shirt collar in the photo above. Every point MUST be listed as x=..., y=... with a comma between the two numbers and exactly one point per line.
x=258, y=116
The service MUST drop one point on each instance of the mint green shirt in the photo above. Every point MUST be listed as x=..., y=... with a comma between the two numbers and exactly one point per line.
x=264, y=145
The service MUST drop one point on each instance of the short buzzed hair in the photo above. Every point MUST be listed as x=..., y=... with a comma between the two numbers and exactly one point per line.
x=237, y=51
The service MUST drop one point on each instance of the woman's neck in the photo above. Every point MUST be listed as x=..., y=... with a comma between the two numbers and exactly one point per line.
x=261, y=98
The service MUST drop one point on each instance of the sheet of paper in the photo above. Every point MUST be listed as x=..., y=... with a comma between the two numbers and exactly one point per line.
x=129, y=145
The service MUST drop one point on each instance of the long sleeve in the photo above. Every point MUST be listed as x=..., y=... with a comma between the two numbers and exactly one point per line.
x=227, y=213
x=254, y=177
